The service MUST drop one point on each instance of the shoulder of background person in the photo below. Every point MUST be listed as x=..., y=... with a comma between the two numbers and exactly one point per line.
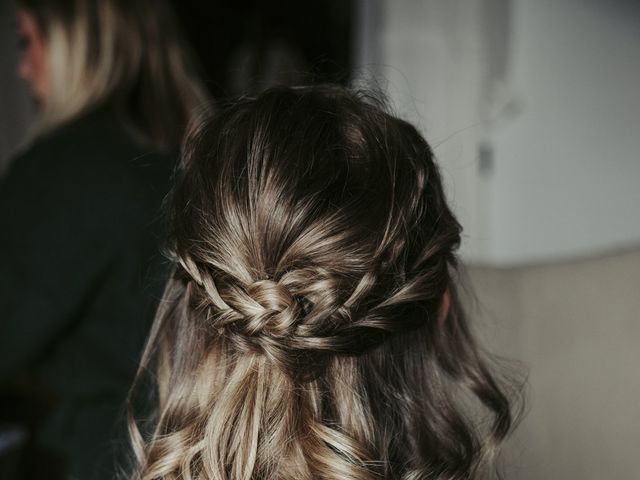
x=101, y=140
x=96, y=160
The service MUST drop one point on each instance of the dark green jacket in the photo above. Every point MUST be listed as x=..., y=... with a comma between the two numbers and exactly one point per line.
x=80, y=276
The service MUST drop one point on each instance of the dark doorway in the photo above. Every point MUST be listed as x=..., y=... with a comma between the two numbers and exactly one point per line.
x=246, y=46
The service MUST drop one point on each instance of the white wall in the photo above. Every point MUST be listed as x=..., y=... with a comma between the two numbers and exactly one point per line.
x=551, y=88
x=566, y=180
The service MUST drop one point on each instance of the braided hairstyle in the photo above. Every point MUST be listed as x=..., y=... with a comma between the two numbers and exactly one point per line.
x=311, y=328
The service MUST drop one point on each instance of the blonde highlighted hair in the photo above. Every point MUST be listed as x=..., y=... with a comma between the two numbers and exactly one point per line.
x=311, y=328
x=125, y=52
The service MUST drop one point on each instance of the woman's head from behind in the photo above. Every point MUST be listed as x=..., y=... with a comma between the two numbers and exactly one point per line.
x=83, y=53
x=312, y=327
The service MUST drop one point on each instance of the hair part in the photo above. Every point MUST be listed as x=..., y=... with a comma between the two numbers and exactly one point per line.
x=301, y=334
x=128, y=53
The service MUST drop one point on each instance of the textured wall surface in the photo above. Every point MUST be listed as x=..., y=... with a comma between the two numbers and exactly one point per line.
x=576, y=325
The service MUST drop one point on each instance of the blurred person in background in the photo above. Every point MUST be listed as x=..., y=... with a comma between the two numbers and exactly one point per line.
x=115, y=87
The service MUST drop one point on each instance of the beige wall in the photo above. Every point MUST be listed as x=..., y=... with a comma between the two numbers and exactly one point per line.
x=576, y=325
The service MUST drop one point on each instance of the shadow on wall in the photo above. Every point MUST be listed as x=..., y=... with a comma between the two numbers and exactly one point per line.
x=576, y=327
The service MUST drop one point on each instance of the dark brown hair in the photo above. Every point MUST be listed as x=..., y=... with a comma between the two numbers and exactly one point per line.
x=312, y=328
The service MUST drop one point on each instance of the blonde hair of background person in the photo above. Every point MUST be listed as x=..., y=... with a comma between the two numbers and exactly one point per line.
x=84, y=53
x=312, y=328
